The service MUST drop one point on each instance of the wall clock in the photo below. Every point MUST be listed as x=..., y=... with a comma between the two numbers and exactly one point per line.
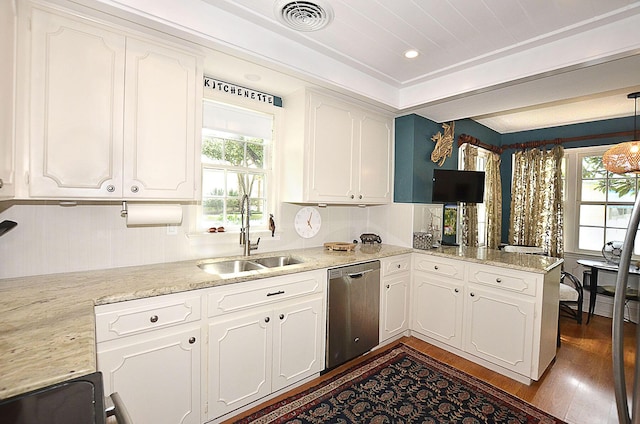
x=307, y=222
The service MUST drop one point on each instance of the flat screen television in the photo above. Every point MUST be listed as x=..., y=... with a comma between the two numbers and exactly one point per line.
x=452, y=186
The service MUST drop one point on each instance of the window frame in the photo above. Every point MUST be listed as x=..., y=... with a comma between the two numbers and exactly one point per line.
x=573, y=197
x=272, y=180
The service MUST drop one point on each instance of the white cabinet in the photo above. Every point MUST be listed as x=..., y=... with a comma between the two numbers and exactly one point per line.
x=8, y=42
x=112, y=116
x=394, y=296
x=149, y=351
x=264, y=336
x=502, y=318
x=340, y=151
x=499, y=327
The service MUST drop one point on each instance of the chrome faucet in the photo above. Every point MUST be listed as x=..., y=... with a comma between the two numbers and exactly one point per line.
x=245, y=241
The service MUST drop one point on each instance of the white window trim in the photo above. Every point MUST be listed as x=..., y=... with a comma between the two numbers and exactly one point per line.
x=273, y=176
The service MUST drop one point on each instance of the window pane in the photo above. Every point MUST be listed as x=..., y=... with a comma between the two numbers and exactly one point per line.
x=234, y=153
x=591, y=238
x=256, y=185
x=593, y=190
x=213, y=211
x=592, y=167
x=234, y=184
x=592, y=215
x=615, y=234
x=622, y=190
x=255, y=155
x=618, y=216
x=212, y=183
x=212, y=150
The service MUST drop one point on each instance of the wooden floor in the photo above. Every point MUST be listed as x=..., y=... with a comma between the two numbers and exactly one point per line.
x=577, y=387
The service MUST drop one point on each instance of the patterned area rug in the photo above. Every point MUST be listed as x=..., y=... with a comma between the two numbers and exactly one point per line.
x=401, y=385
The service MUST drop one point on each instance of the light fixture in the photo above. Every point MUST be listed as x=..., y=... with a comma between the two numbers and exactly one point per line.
x=411, y=54
x=625, y=157
x=303, y=15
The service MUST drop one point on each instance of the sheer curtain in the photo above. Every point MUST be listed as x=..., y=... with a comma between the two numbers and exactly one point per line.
x=493, y=200
x=470, y=210
x=536, y=200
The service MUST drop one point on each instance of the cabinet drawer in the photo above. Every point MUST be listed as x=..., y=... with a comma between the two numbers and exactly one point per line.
x=136, y=316
x=395, y=265
x=439, y=266
x=516, y=281
x=260, y=292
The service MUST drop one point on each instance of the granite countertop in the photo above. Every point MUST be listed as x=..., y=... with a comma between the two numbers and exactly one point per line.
x=48, y=327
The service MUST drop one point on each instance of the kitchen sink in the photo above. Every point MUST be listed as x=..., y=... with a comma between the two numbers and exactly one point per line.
x=277, y=261
x=230, y=267
x=237, y=266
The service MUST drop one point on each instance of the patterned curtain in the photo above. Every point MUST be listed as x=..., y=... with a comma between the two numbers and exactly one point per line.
x=536, y=200
x=493, y=200
x=470, y=210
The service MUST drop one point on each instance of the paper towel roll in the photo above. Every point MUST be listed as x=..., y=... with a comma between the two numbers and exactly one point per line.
x=153, y=214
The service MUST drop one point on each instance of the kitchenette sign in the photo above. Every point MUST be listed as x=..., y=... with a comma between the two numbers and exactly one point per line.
x=239, y=91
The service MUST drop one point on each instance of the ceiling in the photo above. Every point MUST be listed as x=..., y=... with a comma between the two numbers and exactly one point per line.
x=511, y=65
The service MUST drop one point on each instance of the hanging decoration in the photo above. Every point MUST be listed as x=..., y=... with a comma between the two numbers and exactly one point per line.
x=444, y=144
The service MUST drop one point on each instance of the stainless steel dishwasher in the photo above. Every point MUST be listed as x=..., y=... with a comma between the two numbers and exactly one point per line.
x=353, y=311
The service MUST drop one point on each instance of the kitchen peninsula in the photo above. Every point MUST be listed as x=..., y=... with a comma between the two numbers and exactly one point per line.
x=49, y=335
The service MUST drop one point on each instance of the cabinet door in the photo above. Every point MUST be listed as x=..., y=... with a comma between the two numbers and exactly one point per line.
x=240, y=349
x=394, y=304
x=437, y=308
x=8, y=41
x=499, y=328
x=374, y=160
x=160, y=122
x=158, y=379
x=331, y=150
x=297, y=342
x=77, y=86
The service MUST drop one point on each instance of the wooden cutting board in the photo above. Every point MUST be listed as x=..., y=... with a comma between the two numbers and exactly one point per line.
x=340, y=246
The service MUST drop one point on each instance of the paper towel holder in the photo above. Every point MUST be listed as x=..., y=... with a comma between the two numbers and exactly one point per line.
x=124, y=212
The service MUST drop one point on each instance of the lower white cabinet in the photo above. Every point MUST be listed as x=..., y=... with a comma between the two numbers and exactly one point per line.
x=504, y=319
x=438, y=308
x=254, y=353
x=394, y=296
x=157, y=375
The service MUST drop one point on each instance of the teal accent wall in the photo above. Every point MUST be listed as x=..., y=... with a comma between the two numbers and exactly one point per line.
x=413, y=148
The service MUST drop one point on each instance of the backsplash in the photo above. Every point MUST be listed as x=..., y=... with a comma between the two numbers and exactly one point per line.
x=51, y=238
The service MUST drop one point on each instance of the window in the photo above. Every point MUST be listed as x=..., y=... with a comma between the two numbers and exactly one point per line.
x=480, y=165
x=598, y=204
x=235, y=161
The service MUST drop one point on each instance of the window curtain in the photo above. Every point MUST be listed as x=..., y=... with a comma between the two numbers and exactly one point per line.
x=493, y=200
x=470, y=210
x=536, y=200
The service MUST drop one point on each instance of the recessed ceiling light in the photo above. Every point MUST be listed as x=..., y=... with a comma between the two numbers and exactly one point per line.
x=411, y=54
x=253, y=77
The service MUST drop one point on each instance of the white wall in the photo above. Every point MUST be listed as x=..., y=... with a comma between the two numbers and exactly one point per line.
x=51, y=238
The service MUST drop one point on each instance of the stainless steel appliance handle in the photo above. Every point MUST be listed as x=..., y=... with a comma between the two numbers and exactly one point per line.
x=114, y=407
x=359, y=274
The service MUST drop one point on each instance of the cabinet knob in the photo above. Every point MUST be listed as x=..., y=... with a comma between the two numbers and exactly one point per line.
x=134, y=189
x=387, y=285
x=192, y=340
x=356, y=340
x=360, y=197
x=352, y=196
x=458, y=291
x=267, y=319
x=435, y=267
x=398, y=266
x=498, y=280
x=111, y=188
x=281, y=316
x=472, y=294
x=154, y=318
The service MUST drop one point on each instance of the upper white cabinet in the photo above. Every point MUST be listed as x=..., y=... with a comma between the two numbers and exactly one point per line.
x=112, y=115
x=7, y=84
x=335, y=152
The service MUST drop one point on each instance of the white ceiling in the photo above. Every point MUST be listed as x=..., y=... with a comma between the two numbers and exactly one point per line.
x=512, y=65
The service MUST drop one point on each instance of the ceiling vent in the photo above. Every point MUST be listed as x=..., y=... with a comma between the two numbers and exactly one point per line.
x=303, y=15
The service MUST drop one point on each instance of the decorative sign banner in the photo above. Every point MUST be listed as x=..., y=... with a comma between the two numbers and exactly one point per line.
x=237, y=90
